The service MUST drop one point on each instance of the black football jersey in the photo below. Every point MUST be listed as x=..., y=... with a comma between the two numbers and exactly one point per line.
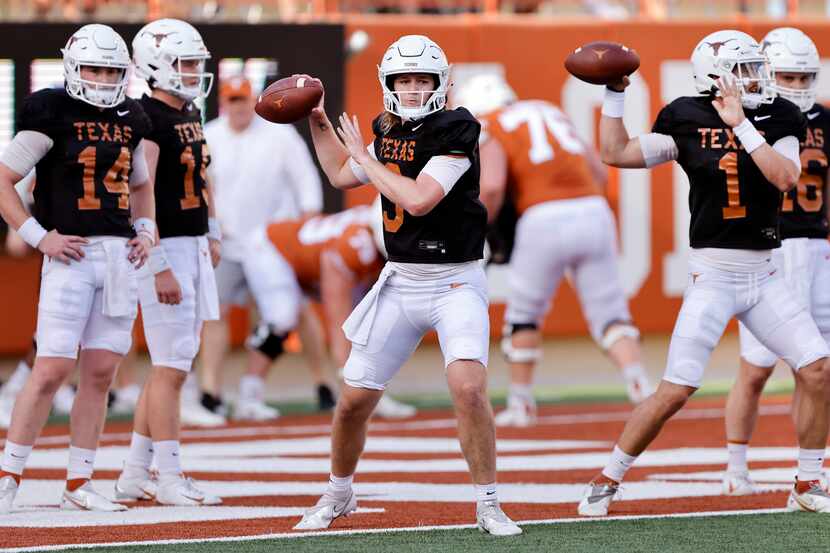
x=732, y=204
x=454, y=231
x=180, y=185
x=804, y=209
x=83, y=181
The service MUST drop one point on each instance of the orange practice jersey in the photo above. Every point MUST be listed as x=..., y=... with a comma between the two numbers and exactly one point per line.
x=545, y=156
x=301, y=242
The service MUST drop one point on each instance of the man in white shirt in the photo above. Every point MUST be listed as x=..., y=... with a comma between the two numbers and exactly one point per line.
x=262, y=172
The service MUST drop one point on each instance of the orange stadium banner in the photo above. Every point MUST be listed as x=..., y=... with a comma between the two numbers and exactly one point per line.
x=651, y=206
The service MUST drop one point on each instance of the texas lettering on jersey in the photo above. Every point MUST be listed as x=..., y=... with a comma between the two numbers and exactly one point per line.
x=181, y=181
x=804, y=209
x=453, y=232
x=731, y=202
x=83, y=181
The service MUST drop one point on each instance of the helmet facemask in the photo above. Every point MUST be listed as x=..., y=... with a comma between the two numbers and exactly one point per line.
x=755, y=82
x=178, y=82
x=431, y=101
x=98, y=94
x=804, y=98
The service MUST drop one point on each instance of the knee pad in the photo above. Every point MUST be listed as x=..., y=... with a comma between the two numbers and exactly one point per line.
x=518, y=355
x=266, y=342
x=617, y=330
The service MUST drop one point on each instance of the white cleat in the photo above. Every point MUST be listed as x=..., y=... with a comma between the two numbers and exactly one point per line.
x=182, y=491
x=738, y=483
x=126, y=399
x=390, y=408
x=8, y=490
x=326, y=510
x=135, y=487
x=638, y=387
x=491, y=519
x=814, y=500
x=86, y=498
x=596, y=499
x=254, y=410
x=520, y=413
x=63, y=400
x=193, y=413
x=6, y=408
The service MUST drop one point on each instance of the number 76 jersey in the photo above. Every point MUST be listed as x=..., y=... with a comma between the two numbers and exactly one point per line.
x=181, y=183
x=83, y=180
x=732, y=204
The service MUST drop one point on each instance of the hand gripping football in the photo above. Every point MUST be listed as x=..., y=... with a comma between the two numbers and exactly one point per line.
x=602, y=62
x=289, y=100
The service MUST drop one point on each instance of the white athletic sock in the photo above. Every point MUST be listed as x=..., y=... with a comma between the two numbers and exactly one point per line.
x=15, y=457
x=634, y=370
x=338, y=485
x=167, y=458
x=737, y=457
x=618, y=464
x=81, y=463
x=140, y=456
x=809, y=464
x=522, y=392
x=486, y=492
x=251, y=388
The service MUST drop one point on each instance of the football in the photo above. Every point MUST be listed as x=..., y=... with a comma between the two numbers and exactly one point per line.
x=602, y=62
x=288, y=100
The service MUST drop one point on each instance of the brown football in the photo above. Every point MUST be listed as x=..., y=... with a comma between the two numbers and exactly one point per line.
x=289, y=99
x=602, y=62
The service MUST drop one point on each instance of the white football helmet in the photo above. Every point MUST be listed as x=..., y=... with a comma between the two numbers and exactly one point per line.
x=733, y=54
x=483, y=93
x=789, y=50
x=158, y=51
x=98, y=46
x=414, y=54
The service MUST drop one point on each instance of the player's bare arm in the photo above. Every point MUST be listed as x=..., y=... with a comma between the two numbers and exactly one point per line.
x=168, y=289
x=416, y=196
x=616, y=148
x=61, y=247
x=332, y=155
x=493, y=177
x=783, y=173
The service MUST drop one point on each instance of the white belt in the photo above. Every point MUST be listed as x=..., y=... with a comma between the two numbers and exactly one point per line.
x=120, y=284
x=359, y=324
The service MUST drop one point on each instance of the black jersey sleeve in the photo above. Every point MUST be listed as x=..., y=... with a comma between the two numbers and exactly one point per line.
x=456, y=132
x=664, y=123
x=40, y=113
x=783, y=118
x=142, y=125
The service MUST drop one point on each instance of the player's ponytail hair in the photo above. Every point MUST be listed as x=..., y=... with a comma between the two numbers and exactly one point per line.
x=388, y=121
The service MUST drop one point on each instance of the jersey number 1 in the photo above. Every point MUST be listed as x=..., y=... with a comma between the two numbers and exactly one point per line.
x=729, y=164
x=116, y=181
x=191, y=200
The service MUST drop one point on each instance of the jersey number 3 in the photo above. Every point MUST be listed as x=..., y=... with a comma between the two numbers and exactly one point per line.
x=116, y=181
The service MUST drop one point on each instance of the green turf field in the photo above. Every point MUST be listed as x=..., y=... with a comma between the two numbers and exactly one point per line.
x=759, y=533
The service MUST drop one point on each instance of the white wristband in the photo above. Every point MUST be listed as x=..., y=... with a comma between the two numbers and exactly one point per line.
x=214, y=231
x=158, y=260
x=613, y=105
x=749, y=136
x=146, y=226
x=32, y=232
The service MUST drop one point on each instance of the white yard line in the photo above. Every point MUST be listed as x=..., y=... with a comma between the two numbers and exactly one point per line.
x=297, y=535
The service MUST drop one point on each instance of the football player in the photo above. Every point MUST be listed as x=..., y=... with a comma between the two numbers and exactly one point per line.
x=530, y=153
x=424, y=163
x=94, y=222
x=332, y=257
x=737, y=176
x=178, y=290
x=804, y=256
